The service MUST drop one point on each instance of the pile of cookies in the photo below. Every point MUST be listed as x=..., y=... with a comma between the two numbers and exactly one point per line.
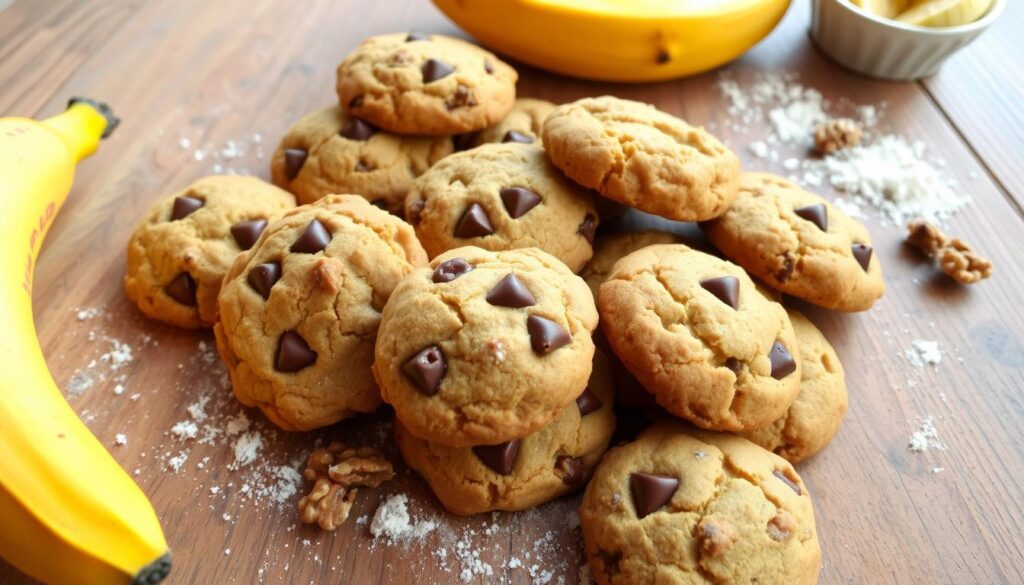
x=442, y=260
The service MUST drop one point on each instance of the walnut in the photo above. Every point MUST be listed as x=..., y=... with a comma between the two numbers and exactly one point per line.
x=782, y=526
x=337, y=471
x=715, y=537
x=925, y=237
x=956, y=258
x=836, y=134
x=328, y=504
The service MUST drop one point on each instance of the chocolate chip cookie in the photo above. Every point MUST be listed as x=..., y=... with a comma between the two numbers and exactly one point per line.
x=184, y=245
x=502, y=197
x=485, y=347
x=799, y=243
x=299, y=312
x=521, y=473
x=609, y=249
x=685, y=506
x=699, y=336
x=329, y=151
x=414, y=83
x=815, y=415
x=523, y=124
x=642, y=157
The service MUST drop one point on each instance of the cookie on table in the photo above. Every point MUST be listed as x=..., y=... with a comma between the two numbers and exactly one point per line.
x=299, y=312
x=521, y=473
x=503, y=197
x=523, y=124
x=685, y=506
x=329, y=151
x=799, y=243
x=184, y=245
x=698, y=335
x=642, y=157
x=485, y=347
x=609, y=249
x=815, y=415
x=414, y=83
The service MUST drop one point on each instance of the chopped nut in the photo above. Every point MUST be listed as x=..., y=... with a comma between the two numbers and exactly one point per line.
x=925, y=237
x=328, y=504
x=328, y=273
x=956, y=258
x=836, y=134
x=715, y=537
x=336, y=471
x=782, y=526
x=364, y=467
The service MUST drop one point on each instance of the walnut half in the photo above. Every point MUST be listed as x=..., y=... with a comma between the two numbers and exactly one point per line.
x=337, y=471
x=956, y=257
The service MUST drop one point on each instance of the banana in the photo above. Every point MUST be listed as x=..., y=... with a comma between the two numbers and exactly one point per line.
x=884, y=8
x=618, y=40
x=935, y=13
x=68, y=512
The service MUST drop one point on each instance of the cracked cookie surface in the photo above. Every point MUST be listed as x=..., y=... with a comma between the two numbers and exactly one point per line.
x=682, y=506
x=637, y=155
x=328, y=152
x=503, y=197
x=485, y=347
x=411, y=83
x=799, y=243
x=522, y=124
x=699, y=336
x=300, y=311
x=609, y=249
x=184, y=245
x=546, y=464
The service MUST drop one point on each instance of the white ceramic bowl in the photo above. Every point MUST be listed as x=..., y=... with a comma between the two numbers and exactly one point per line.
x=886, y=48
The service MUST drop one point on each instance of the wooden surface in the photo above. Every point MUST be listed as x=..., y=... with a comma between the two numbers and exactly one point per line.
x=213, y=72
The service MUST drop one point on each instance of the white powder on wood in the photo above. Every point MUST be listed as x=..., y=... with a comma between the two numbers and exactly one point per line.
x=925, y=437
x=392, y=521
x=924, y=352
x=120, y=439
x=247, y=448
x=185, y=430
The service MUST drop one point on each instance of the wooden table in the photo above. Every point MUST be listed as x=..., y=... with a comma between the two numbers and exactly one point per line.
x=213, y=72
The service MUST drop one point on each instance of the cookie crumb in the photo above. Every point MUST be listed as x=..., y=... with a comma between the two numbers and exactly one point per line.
x=836, y=134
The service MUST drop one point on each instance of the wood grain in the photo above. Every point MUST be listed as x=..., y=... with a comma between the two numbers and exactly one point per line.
x=213, y=72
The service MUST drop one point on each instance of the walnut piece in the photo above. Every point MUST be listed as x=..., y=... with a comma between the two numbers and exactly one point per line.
x=925, y=237
x=336, y=472
x=715, y=537
x=782, y=526
x=956, y=258
x=836, y=134
x=328, y=504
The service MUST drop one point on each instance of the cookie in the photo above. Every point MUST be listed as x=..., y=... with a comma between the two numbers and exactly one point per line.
x=299, y=312
x=522, y=124
x=642, y=157
x=521, y=473
x=799, y=243
x=609, y=249
x=413, y=83
x=685, y=506
x=329, y=151
x=184, y=245
x=485, y=347
x=503, y=197
x=699, y=336
x=815, y=415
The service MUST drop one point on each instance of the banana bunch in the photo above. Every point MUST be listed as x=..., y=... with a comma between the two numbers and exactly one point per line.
x=930, y=13
x=618, y=40
x=68, y=512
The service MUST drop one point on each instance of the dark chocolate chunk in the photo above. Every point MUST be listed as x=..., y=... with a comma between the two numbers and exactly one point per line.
x=417, y=36
x=474, y=223
x=356, y=129
x=651, y=492
x=518, y=200
x=262, y=277
x=862, y=252
x=449, y=270
x=434, y=70
x=313, y=239
x=511, y=292
x=783, y=363
x=735, y=365
x=462, y=97
x=569, y=469
x=499, y=458
x=356, y=102
x=545, y=335
x=513, y=136
x=725, y=288
x=363, y=167
x=294, y=158
x=783, y=273
x=426, y=369
x=588, y=227
x=415, y=211
x=488, y=67
x=816, y=214
x=588, y=402
x=247, y=232
x=293, y=353
x=784, y=478
x=184, y=206
x=182, y=289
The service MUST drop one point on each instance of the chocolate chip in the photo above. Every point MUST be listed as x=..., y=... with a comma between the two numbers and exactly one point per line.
x=783, y=363
x=356, y=102
x=816, y=214
x=462, y=97
x=356, y=129
x=262, y=277
x=488, y=67
x=651, y=492
x=474, y=223
x=247, y=232
x=313, y=239
x=588, y=227
x=293, y=353
x=294, y=158
x=518, y=200
x=417, y=36
x=362, y=167
x=735, y=365
x=783, y=273
x=662, y=57
x=569, y=469
x=462, y=142
x=415, y=211
x=184, y=206
x=449, y=270
x=862, y=252
x=513, y=136
x=434, y=70
x=545, y=335
x=182, y=289
x=426, y=369
x=725, y=289
x=510, y=292
x=499, y=458
x=784, y=478
x=588, y=402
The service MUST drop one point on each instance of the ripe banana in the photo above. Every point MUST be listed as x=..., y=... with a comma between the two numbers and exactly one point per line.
x=618, y=40
x=68, y=512
x=939, y=13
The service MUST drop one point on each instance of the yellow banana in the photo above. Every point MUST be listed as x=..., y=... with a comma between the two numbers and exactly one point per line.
x=68, y=512
x=618, y=40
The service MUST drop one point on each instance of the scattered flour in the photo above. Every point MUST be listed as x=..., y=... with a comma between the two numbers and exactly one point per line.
x=247, y=448
x=185, y=430
x=120, y=439
x=392, y=520
x=89, y=313
x=925, y=437
x=924, y=352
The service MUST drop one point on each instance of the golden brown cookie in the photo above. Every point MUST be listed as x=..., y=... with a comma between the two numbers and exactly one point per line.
x=485, y=347
x=414, y=83
x=521, y=473
x=685, y=506
x=523, y=124
x=299, y=312
x=503, y=197
x=184, y=245
x=640, y=156
x=329, y=151
x=815, y=415
x=799, y=243
x=699, y=336
x=609, y=249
